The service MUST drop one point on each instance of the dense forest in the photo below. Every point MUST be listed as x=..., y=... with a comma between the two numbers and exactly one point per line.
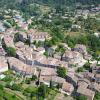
x=17, y=3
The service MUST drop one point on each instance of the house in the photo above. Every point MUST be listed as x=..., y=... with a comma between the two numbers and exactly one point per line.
x=95, y=86
x=67, y=88
x=10, y=31
x=21, y=68
x=83, y=50
x=24, y=26
x=57, y=56
x=76, y=26
x=49, y=74
x=22, y=36
x=89, y=76
x=34, y=35
x=47, y=62
x=38, y=55
x=51, y=62
x=20, y=22
x=3, y=64
x=46, y=74
x=24, y=53
x=65, y=46
x=2, y=51
x=94, y=68
x=97, y=78
x=8, y=41
x=54, y=79
x=40, y=50
x=73, y=58
x=83, y=90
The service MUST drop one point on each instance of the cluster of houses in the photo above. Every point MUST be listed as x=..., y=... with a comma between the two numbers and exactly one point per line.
x=30, y=58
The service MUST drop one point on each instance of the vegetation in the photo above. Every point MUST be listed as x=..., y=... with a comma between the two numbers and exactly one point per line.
x=87, y=66
x=97, y=96
x=16, y=37
x=81, y=97
x=80, y=69
x=10, y=51
x=57, y=18
x=7, y=24
x=61, y=71
x=5, y=95
x=16, y=87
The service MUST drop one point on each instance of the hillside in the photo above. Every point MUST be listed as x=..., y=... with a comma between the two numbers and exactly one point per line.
x=17, y=3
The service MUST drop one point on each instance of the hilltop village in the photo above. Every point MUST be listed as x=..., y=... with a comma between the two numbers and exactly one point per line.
x=28, y=60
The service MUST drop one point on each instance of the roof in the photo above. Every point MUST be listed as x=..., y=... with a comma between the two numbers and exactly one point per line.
x=67, y=87
x=8, y=40
x=80, y=46
x=23, y=51
x=83, y=89
x=55, y=79
x=88, y=74
x=72, y=54
x=34, y=34
x=2, y=52
x=97, y=86
x=48, y=72
x=39, y=49
x=97, y=75
x=87, y=92
x=19, y=66
x=3, y=62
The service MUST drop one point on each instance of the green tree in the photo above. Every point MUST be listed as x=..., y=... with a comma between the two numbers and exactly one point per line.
x=97, y=96
x=46, y=54
x=80, y=69
x=61, y=50
x=1, y=87
x=7, y=24
x=11, y=51
x=81, y=97
x=16, y=87
x=43, y=91
x=87, y=66
x=16, y=37
x=34, y=77
x=61, y=71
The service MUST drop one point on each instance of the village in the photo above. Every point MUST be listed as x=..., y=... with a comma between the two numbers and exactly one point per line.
x=22, y=52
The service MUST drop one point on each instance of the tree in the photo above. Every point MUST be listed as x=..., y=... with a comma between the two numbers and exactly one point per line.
x=97, y=96
x=34, y=77
x=80, y=69
x=1, y=87
x=51, y=84
x=7, y=24
x=43, y=91
x=46, y=54
x=61, y=71
x=81, y=97
x=87, y=66
x=11, y=51
x=16, y=87
x=61, y=49
x=16, y=37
